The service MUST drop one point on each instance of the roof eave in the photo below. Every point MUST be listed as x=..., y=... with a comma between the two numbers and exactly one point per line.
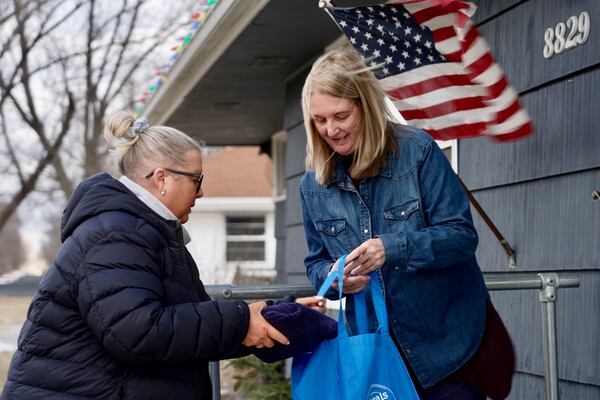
x=224, y=24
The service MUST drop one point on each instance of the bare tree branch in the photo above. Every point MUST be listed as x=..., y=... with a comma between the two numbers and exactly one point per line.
x=123, y=49
x=43, y=32
x=95, y=75
x=29, y=185
x=11, y=152
x=90, y=89
x=31, y=117
x=113, y=41
x=37, y=5
x=114, y=17
x=158, y=42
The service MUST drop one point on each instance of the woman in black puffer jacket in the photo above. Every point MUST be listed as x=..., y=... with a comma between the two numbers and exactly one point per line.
x=121, y=313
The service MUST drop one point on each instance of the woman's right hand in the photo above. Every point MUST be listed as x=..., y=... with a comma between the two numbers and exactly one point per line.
x=260, y=332
x=317, y=303
x=352, y=284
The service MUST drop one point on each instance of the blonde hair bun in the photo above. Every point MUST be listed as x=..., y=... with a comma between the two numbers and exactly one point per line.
x=117, y=129
x=139, y=147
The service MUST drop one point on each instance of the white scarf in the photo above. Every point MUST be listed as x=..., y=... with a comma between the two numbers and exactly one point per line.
x=153, y=203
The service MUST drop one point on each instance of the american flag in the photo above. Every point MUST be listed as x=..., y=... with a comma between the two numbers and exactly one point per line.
x=437, y=69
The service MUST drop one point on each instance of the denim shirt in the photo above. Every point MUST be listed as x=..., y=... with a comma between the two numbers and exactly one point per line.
x=434, y=289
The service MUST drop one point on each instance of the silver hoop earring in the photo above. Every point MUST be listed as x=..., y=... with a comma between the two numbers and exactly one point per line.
x=163, y=192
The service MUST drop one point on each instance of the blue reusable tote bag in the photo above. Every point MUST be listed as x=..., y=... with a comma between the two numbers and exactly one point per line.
x=366, y=366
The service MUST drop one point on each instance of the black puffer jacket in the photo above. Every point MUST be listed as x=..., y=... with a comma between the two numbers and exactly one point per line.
x=121, y=313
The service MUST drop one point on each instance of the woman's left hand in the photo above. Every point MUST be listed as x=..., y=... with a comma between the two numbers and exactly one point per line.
x=315, y=302
x=367, y=257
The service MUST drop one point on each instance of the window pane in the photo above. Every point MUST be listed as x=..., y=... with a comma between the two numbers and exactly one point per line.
x=448, y=152
x=245, y=225
x=245, y=251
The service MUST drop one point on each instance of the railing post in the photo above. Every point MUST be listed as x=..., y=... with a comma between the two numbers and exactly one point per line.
x=548, y=292
x=215, y=377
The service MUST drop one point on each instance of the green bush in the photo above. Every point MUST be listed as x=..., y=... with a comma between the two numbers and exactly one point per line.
x=258, y=380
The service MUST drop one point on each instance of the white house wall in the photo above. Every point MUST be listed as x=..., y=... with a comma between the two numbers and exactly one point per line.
x=208, y=232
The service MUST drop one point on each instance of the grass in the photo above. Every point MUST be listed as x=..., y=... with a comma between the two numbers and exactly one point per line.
x=13, y=311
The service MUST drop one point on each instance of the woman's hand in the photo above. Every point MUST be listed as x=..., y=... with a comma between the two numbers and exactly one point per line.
x=367, y=257
x=352, y=284
x=315, y=302
x=260, y=332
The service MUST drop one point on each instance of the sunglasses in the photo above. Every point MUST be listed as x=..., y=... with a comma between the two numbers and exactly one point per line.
x=197, y=177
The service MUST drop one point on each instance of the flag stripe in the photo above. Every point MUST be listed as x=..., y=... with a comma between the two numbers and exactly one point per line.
x=461, y=131
x=475, y=51
x=497, y=88
x=428, y=13
x=479, y=66
x=517, y=119
x=503, y=101
x=456, y=119
x=448, y=47
x=505, y=114
x=521, y=131
x=428, y=85
x=421, y=74
x=439, y=22
x=444, y=33
x=413, y=6
x=490, y=76
x=438, y=96
x=470, y=34
x=469, y=103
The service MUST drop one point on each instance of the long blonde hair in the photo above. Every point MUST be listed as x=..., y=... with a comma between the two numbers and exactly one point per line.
x=342, y=73
x=142, y=147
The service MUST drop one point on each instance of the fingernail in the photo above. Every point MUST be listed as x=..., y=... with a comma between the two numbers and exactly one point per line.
x=320, y=304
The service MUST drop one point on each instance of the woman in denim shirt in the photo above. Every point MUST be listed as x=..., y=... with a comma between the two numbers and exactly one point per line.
x=386, y=195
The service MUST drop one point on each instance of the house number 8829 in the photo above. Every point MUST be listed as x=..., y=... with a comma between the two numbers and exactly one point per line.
x=566, y=36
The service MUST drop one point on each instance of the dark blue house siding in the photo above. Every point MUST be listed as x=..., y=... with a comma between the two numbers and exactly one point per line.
x=295, y=243
x=566, y=138
x=537, y=190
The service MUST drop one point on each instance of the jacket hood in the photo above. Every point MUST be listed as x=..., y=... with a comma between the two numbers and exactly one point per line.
x=101, y=193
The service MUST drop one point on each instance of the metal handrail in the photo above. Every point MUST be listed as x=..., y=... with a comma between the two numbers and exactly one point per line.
x=547, y=283
x=274, y=291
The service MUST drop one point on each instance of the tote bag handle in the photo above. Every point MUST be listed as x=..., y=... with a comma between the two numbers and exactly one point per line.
x=360, y=302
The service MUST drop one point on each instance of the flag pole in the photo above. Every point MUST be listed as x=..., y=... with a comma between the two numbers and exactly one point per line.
x=510, y=253
x=325, y=4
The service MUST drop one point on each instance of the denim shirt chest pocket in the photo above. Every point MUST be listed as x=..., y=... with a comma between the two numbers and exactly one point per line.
x=404, y=217
x=335, y=235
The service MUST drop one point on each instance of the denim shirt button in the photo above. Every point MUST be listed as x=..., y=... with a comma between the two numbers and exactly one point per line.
x=397, y=268
x=403, y=213
x=366, y=231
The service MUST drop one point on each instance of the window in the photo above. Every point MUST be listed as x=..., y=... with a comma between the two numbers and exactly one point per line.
x=278, y=145
x=245, y=238
x=450, y=147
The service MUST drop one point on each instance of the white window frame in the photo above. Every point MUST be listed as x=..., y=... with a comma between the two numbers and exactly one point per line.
x=278, y=150
x=453, y=146
x=248, y=238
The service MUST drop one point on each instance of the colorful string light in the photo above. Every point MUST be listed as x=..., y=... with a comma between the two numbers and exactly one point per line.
x=161, y=75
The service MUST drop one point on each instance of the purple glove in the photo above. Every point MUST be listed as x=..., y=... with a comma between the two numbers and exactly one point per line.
x=304, y=327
